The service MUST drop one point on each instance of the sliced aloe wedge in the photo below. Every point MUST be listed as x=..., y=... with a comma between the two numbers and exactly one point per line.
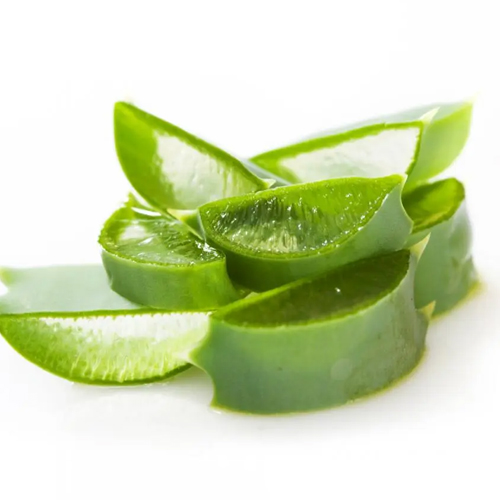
x=371, y=151
x=446, y=272
x=420, y=142
x=278, y=236
x=171, y=168
x=67, y=321
x=318, y=342
x=443, y=139
x=156, y=260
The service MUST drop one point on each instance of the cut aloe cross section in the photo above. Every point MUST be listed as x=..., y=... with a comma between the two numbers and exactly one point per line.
x=171, y=168
x=67, y=321
x=446, y=271
x=420, y=142
x=318, y=342
x=372, y=151
x=281, y=235
x=156, y=260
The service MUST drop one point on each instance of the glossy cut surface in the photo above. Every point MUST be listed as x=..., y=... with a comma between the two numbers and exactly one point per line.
x=156, y=260
x=315, y=300
x=372, y=151
x=316, y=343
x=433, y=203
x=277, y=236
x=171, y=168
x=446, y=272
x=67, y=321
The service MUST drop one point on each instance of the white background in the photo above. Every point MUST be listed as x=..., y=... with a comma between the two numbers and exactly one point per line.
x=247, y=76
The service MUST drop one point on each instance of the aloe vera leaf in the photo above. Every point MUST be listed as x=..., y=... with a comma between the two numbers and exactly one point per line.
x=371, y=151
x=67, y=321
x=278, y=236
x=446, y=272
x=154, y=259
x=379, y=146
x=318, y=342
x=171, y=168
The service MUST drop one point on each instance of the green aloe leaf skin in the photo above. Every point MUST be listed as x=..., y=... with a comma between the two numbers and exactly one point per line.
x=379, y=146
x=443, y=139
x=278, y=236
x=67, y=321
x=171, y=168
x=446, y=272
x=155, y=260
x=316, y=343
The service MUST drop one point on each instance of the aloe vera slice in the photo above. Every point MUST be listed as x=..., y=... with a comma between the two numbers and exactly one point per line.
x=67, y=321
x=421, y=142
x=446, y=272
x=156, y=260
x=371, y=151
x=278, y=236
x=443, y=138
x=171, y=168
x=318, y=342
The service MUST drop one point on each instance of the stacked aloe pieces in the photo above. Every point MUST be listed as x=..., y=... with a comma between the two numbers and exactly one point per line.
x=300, y=279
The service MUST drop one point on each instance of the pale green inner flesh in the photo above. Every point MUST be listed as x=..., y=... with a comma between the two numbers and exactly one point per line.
x=373, y=153
x=61, y=289
x=335, y=294
x=106, y=348
x=433, y=203
x=67, y=320
x=296, y=219
x=172, y=168
x=148, y=237
x=193, y=175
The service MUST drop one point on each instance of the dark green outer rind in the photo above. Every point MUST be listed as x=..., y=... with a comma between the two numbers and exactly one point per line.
x=319, y=365
x=171, y=288
x=136, y=146
x=388, y=230
x=446, y=272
